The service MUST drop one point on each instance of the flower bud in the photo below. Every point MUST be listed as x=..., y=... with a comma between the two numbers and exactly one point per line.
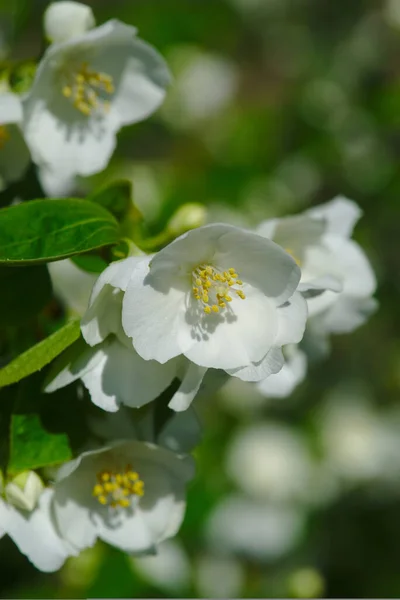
x=23, y=491
x=188, y=216
x=67, y=19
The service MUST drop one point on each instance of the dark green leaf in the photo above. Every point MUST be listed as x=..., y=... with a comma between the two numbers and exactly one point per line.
x=117, y=198
x=40, y=355
x=33, y=443
x=47, y=230
x=92, y=263
x=24, y=292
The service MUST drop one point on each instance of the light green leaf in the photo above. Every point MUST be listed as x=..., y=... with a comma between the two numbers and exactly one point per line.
x=40, y=355
x=48, y=230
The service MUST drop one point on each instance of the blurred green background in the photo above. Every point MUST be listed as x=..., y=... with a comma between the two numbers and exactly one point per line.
x=276, y=105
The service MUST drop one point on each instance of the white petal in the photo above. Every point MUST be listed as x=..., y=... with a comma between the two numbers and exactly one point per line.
x=123, y=377
x=71, y=285
x=272, y=362
x=66, y=19
x=348, y=313
x=341, y=214
x=103, y=315
x=292, y=320
x=181, y=433
x=35, y=534
x=294, y=234
x=56, y=183
x=141, y=84
x=282, y=384
x=237, y=337
x=154, y=314
x=75, y=368
x=318, y=285
x=190, y=384
x=357, y=275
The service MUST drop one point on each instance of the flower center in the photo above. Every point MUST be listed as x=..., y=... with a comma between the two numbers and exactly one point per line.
x=117, y=489
x=213, y=287
x=292, y=254
x=86, y=89
x=4, y=135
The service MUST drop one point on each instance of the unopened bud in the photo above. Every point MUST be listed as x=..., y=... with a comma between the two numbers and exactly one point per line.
x=188, y=216
x=24, y=490
x=67, y=19
x=306, y=583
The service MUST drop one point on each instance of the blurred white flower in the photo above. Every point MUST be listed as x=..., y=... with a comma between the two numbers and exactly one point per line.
x=204, y=86
x=71, y=285
x=270, y=461
x=35, y=533
x=14, y=154
x=85, y=90
x=293, y=372
x=169, y=569
x=130, y=494
x=219, y=576
x=221, y=296
x=330, y=262
x=360, y=444
x=258, y=530
x=67, y=19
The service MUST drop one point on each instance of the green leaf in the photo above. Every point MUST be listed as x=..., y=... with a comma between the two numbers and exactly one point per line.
x=34, y=443
x=91, y=263
x=24, y=292
x=47, y=230
x=116, y=198
x=40, y=355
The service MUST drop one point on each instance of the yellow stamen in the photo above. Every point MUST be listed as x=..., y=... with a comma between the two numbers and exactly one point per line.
x=86, y=89
x=118, y=488
x=211, y=286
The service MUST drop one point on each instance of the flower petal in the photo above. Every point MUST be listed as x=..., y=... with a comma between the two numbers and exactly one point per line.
x=340, y=214
x=154, y=314
x=236, y=338
x=123, y=377
x=292, y=320
x=272, y=362
x=190, y=384
x=103, y=315
x=282, y=384
x=35, y=534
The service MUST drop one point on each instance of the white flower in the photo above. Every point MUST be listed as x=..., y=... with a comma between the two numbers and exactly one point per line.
x=35, y=533
x=66, y=19
x=112, y=370
x=85, y=90
x=14, y=154
x=131, y=495
x=270, y=461
x=330, y=262
x=169, y=569
x=219, y=295
x=282, y=384
x=259, y=530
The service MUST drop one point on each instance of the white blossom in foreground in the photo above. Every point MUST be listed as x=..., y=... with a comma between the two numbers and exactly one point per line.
x=14, y=154
x=330, y=262
x=113, y=372
x=131, y=495
x=221, y=296
x=27, y=518
x=85, y=90
x=67, y=19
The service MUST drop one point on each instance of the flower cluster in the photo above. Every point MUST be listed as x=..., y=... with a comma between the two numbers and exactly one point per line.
x=163, y=327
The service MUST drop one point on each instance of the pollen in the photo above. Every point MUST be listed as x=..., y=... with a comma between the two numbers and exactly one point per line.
x=4, y=135
x=88, y=90
x=118, y=488
x=214, y=288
